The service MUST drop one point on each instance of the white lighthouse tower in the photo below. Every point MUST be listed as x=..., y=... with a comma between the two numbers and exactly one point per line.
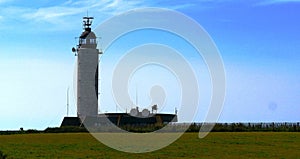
x=87, y=90
x=87, y=72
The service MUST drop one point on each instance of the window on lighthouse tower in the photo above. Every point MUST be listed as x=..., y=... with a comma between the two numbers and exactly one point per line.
x=92, y=41
x=82, y=41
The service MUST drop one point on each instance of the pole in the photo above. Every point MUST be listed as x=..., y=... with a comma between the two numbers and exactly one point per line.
x=136, y=95
x=68, y=102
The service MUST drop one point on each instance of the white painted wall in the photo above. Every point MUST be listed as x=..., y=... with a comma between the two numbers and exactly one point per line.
x=87, y=102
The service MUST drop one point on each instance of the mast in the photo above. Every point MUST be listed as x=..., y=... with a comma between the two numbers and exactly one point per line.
x=67, y=101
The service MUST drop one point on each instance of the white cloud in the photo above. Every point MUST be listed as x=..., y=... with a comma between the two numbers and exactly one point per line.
x=4, y=1
x=103, y=7
x=114, y=3
x=65, y=15
x=11, y=15
x=273, y=2
x=70, y=8
x=50, y=14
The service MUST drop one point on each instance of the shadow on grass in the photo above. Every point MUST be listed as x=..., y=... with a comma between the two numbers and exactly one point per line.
x=2, y=155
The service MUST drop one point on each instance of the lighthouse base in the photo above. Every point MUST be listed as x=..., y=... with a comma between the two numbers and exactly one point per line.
x=119, y=119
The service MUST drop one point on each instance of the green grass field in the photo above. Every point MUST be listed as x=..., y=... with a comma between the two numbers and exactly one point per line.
x=215, y=145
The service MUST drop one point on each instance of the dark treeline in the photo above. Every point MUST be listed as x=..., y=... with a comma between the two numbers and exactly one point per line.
x=250, y=127
x=224, y=127
x=194, y=127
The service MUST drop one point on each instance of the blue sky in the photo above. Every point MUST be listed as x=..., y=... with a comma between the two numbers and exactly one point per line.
x=258, y=41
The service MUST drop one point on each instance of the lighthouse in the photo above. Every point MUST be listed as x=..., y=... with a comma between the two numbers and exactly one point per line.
x=87, y=90
x=87, y=72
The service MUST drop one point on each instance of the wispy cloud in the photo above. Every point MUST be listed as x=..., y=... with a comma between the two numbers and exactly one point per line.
x=63, y=15
x=114, y=3
x=53, y=13
x=276, y=2
x=5, y=1
x=50, y=14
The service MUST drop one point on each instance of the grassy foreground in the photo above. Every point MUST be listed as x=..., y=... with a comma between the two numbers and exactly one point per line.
x=215, y=145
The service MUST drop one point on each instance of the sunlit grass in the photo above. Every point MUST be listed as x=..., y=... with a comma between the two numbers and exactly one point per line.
x=215, y=145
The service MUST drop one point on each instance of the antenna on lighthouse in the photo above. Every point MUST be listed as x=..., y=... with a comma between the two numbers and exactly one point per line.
x=67, y=101
x=136, y=96
x=87, y=22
